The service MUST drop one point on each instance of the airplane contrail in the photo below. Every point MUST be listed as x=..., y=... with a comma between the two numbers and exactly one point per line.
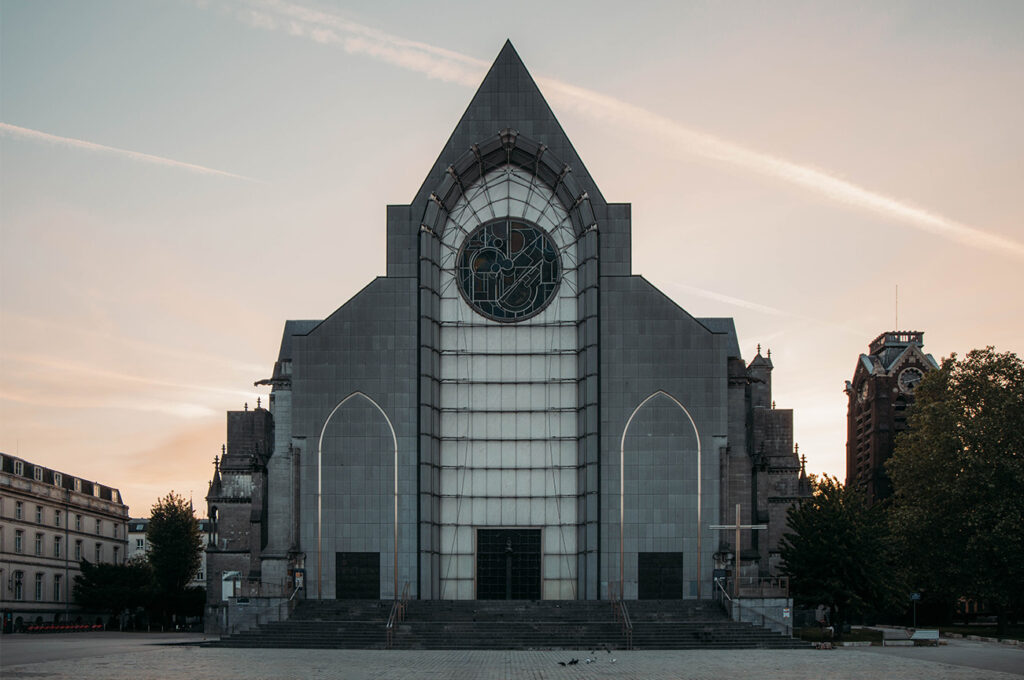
x=758, y=307
x=68, y=368
x=450, y=66
x=28, y=133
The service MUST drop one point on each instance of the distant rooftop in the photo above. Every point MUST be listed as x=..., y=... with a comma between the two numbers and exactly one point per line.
x=19, y=467
x=139, y=524
x=900, y=339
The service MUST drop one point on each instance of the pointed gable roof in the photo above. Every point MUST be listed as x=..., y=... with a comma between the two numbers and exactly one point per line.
x=508, y=97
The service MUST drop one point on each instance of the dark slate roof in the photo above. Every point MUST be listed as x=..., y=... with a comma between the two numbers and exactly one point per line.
x=67, y=481
x=140, y=524
x=725, y=325
x=508, y=97
x=293, y=327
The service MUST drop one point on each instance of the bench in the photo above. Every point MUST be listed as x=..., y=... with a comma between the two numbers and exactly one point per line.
x=926, y=636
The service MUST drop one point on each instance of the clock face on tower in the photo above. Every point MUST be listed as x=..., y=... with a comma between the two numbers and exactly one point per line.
x=862, y=396
x=909, y=377
x=508, y=269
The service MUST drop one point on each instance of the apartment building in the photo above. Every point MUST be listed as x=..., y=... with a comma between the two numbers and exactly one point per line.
x=49, y=522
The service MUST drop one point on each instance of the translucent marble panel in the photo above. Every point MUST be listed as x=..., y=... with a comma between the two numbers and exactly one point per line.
x=508, y=400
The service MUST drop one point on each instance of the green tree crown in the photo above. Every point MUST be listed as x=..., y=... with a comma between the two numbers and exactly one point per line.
x=958, y=475
x=175, y=545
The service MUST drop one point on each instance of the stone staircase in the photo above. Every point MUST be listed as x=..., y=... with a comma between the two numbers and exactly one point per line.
x=517, y=624
x=698, y=624
x=324, y=624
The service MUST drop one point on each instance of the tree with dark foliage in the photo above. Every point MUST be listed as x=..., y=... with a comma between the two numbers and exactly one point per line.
x=114, y=588
x=175, y=548
x=958, y=476
x=836, y=553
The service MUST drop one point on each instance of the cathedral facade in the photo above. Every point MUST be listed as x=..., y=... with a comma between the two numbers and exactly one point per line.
x=509, y=412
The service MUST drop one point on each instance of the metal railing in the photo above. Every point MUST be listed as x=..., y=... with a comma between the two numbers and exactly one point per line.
x=723, y=597
x=248, y=588
x=760, y=586
x=729, y=605
x=397, y=614
x=615, y=595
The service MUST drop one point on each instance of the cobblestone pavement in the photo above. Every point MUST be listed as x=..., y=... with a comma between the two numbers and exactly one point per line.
x=164, y=662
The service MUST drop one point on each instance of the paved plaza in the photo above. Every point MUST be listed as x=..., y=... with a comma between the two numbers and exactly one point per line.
x=143, y=657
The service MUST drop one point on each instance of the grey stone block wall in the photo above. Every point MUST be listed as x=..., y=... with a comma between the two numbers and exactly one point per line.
x=649, y=344
x=367, y=345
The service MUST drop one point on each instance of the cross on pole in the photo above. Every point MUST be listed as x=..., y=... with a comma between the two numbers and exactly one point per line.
x=736, y=546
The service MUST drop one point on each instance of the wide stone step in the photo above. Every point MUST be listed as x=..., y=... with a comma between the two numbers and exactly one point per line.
x=475, y=624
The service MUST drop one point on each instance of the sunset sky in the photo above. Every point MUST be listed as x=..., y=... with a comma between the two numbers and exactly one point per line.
x=166, y=165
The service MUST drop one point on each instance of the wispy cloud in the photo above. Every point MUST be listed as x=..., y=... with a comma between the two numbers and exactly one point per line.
x=451, y=66
x=327, y=28
x=730, y=300
x=185, y=410
x=142, y=347
x=820, y=182
x=75, y=368
x=9, y=130
x=758, y=307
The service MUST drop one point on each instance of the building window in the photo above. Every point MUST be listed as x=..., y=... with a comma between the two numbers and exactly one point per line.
x=19, y=468
x=115, y=530
x=39, y=544
x=56, y=518
x=140, y=544
x=39, y=587
x=199, y=575
x=99, y=527
x=58, y=479
x=78, y=522
x=56, y=587
x=117, y=554
x=18, y=507
x=99, y=552
x=96, y=490
x=39, y=514
x=78, y=551
x=19, y=593
x=38, y=474
x=19, y=536
x=56, y=546
x=78, y=485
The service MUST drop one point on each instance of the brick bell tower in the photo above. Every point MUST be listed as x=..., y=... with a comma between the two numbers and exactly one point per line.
x=879, y=395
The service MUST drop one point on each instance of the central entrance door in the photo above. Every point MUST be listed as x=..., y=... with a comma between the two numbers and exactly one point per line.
x=660, y=575
x=508, y=564
x=357, y=575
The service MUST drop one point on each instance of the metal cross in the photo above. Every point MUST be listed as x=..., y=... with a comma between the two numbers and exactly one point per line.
x=736, y=546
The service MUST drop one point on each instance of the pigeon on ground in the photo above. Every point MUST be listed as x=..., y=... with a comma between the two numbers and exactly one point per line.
x=561, y=663
x=573, y=662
